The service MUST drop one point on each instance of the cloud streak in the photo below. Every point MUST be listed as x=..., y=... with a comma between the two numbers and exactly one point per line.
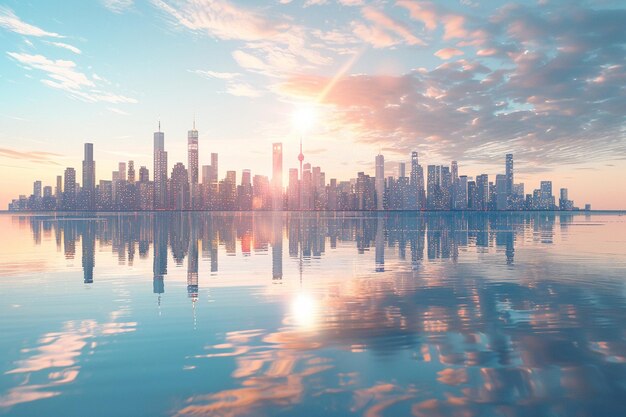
x=64, y=75
x=38, y=157
x=10, y=21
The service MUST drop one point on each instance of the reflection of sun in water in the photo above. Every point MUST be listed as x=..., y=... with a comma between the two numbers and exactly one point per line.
x=303, y=310
x=304, y=117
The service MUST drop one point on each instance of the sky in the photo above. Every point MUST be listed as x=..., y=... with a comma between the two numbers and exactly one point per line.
x=464, y=80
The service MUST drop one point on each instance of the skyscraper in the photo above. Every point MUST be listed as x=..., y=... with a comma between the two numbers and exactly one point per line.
x=89, y=178
x=131, y=172
x=179, y=194
x=277, y=176
x=58, y=191
x=69, y=195
x=160, y=171
x=482, y=192
x=413, y=184
x=380, y=182
x=501, y=192
x=192, y=154
x=215, y=168
x=192, y=166
x=294, y=190
x=509, y=179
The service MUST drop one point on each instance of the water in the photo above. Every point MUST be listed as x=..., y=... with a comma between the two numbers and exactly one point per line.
x=313, y=315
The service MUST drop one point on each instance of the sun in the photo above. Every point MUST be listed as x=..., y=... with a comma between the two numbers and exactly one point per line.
x=304, y=118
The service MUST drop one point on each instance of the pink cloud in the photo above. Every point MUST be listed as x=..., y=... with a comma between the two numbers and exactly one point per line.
x=447, y=53
x=454, y=27
x=424, y=12
x=384, y=21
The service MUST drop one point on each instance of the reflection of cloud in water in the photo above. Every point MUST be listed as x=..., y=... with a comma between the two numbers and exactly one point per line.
x=54, y=362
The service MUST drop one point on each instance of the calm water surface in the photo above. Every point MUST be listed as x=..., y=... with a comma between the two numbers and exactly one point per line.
x=313, y=315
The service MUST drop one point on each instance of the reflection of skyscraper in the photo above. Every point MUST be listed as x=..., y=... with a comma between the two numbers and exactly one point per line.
x=380, y=243
x=89, y=178
x=159, y=265
x=192, y=260
x=88, y=243
x=277, y=176
x=277, y=247
x=160, y=171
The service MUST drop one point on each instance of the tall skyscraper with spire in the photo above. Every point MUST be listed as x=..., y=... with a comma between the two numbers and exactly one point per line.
x=192, y=154
x=277, y=176
x=89, y=179
x=192, y=166
x=160, y=171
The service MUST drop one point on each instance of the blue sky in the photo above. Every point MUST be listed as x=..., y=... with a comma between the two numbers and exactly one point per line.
x=466, y=80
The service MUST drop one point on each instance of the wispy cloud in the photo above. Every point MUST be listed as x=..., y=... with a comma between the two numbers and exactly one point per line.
x=64, y=75
x=117, y=6
x=216, y=74
x=242, y=90
x=66, y=46
x=272, y=45
x=118, y=111
x=385, y=23
x=38, y=157
x=10, y=21
x=233, y=86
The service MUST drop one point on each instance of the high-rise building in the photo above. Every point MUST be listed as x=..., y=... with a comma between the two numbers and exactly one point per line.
x=277, y=176
x=413, y=197
x=179, y=190
x=160, y=171
x=380, y=182
x=122, y=171
x=192, y=167
x=69, y=185
x=192, y=154
x=512, y=200
x=294, y=190
x=502, y=197
x=482, y=192
x=89, y=179
x=58, y=191
x=509, y=175
x=434, y=188
x=461, y=193
x=215, y=168
x=131, y=172
x=454, y=183
x=37, y=190
x=144, y=174
x=546, y=199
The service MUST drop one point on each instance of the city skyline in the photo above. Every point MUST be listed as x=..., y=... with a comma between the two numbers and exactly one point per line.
x=454, y=80
x=441, y=188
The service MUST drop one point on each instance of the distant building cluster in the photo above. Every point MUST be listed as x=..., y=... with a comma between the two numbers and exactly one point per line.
x=195, y=187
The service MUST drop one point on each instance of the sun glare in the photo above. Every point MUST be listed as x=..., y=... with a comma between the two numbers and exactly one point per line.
x=304, y=310
x=303, y=118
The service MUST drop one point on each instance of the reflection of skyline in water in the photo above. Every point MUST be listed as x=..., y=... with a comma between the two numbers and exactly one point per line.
x=434, y=328
x=433, y=236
